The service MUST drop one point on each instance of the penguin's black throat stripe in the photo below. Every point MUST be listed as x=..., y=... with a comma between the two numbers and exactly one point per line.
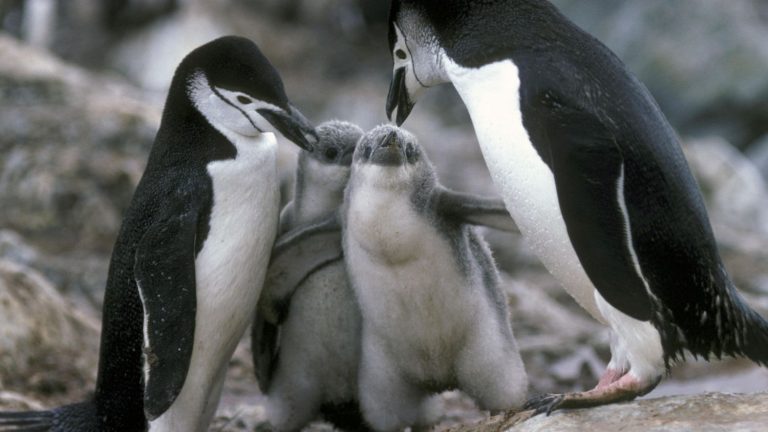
x=226, y=101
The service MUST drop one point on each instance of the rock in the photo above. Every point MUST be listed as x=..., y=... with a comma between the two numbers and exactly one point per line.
x=703, y=60
x=72, y=150
x=73, y=147
x=735, y=191
x=48, y=347
x=701, y=413
x=758, y=154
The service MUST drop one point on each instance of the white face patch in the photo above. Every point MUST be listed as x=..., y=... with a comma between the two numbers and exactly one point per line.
x=420, y=59
x=229, y=111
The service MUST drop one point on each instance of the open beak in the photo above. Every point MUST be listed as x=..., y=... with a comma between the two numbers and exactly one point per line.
x=293, y=125
x=398, y=97
x=388, y=151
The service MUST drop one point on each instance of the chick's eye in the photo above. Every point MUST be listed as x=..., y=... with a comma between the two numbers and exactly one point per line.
x=331, y=153
x=409, y=152
x=401, y=54
x=244, y=100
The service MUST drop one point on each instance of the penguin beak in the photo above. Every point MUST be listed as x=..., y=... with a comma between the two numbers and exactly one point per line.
x=293, y=125
x=388, y=151
x=398, y=97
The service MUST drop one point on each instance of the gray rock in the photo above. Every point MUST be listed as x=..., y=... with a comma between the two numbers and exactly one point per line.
x=48, y=346
x=702, y=413
x=735, y=190
x=72, y=149
x=758, y=154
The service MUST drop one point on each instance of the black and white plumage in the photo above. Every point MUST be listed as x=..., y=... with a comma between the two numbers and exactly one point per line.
x=306, y=335
x=433, y=314
x=192, y=252
x=593, y=174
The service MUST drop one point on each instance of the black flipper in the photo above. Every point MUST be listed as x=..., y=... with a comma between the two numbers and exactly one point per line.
x=165, y=275
x=588, y=168
x=475, y=210
x=296, y=255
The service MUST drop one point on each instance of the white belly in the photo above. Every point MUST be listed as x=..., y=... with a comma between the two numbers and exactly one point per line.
x=491, y=94
x=230, y=271
x=414, y=299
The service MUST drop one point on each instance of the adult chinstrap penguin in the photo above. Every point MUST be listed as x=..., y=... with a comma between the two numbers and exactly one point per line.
x=433, y=314
x=192, y=252
x=592, y=173
x=306, y=334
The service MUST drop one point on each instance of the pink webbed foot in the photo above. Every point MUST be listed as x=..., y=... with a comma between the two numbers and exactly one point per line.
x=610, y=390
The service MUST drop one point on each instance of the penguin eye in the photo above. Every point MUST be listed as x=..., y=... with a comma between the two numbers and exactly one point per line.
x=410, y=152
x=331, y=153
x=401, y=54
x=244, y=100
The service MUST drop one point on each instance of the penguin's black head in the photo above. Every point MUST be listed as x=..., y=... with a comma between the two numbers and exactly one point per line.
x=336, y=143
x=416, y=55
x=238, y=90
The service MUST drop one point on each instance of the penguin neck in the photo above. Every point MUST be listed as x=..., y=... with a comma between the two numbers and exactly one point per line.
x=477, y=33
x=186, y=135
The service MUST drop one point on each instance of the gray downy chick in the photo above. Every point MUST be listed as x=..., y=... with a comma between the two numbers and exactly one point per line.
x=306, y=333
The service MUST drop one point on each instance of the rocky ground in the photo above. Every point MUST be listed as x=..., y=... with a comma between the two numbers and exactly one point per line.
x=74, y=144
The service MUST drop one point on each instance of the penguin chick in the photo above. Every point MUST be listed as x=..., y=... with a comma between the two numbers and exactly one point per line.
x=191, y=255
x=317, y=323
x=434, y=316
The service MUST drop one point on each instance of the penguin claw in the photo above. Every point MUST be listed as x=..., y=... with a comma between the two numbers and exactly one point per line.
x=544, y=404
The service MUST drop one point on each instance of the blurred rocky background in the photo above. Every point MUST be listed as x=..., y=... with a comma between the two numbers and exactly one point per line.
x=82, y=84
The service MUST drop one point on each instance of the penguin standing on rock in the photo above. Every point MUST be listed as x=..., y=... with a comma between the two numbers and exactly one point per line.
x=191, y=255
x=592, y=173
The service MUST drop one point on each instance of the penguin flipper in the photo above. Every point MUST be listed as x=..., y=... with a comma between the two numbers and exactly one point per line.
x=297, y=254
x=475, y=210
x=588, y=167
x=165, y=276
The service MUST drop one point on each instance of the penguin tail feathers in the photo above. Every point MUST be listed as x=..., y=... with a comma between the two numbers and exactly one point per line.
x=756, y=338
x=29, y=421
x=69, y=418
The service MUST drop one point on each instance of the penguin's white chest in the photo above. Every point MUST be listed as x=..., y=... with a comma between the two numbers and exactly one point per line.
x=492, y=96
x=229, y=270
x=232, y=263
